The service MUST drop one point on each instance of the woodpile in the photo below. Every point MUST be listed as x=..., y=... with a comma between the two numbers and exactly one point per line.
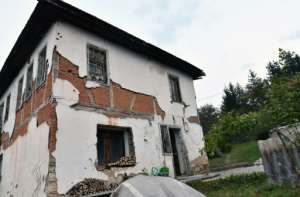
x=91, y=186
x=123, y=162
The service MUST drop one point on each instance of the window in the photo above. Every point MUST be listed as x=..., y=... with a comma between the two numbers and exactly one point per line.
x=7, y=108
x=20, y=92
x=29, y=79
x=97, y=68
x=41, y=72
x=175, y=89
x=115, y=146
x=1, y=164
x=166, y=140
x=1, y=116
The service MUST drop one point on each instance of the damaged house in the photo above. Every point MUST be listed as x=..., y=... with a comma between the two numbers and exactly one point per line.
x=81, y=99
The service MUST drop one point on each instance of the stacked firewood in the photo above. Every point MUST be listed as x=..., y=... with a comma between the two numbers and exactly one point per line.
x=123, y=162
x=91, y=186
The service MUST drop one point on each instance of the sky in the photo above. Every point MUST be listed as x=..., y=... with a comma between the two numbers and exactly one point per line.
x=224, y=38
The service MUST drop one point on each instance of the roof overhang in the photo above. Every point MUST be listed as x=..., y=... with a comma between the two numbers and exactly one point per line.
x=48, y=12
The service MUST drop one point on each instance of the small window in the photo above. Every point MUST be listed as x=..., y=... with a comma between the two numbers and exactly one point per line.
x=97, y=68
x=41, y=72
x=29, y=79
x=175, y=89
x=115, y=146
x=7, y=108
x=20, y=92
x=1, y=164
x=166, y=140
x=1, y=116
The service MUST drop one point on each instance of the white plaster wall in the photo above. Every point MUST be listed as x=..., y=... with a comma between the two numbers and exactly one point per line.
x=76, y=137
x=25, y=163
x=49, y=41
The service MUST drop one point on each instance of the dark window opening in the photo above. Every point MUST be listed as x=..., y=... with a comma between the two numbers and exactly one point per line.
x=166, y=140
x=175, y=89
x=97, y=65
x=41, y=72
x=115, y=146
x=7, y=108
x=20, y=92
x=1, y=116
x=29, y=80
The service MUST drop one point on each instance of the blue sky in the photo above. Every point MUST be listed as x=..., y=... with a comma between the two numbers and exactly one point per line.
x=224, y=38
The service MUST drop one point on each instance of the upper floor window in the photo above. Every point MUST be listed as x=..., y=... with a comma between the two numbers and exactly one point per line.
x=175, y=89
x=20, y=92
x=41, y=72
x=29, y=79
x=7, y=108
x=97, y=65
x=1, y=116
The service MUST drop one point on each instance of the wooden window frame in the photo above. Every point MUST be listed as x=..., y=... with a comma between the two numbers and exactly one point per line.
x=175, y=97
x=1, y=116
x=103, y=82
x=7, y=108
x=20, y=93
x=41, y=68
x=29, y=83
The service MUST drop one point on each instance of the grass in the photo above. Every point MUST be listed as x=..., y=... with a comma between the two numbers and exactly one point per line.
x=247, y=153
x=251, y=185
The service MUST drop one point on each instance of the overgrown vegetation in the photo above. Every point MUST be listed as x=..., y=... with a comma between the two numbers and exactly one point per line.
x=244, y=153
x=244, y=185
x=250, y=113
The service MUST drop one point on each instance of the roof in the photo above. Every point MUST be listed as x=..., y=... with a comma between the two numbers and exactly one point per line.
x=48, y=12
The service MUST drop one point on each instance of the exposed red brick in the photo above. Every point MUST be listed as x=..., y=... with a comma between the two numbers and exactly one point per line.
x=122, y=98
x=143, y=104
x=5, y=140
x=101, y=96
x=194, y=119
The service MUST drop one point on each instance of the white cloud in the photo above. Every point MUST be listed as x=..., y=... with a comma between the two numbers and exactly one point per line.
x=224, y=38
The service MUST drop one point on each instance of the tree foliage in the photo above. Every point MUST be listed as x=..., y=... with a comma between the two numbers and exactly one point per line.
x=264, y=104
x=208, y=115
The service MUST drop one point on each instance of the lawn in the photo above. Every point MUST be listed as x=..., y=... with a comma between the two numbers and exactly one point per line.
x=252, y=185
x=246, y=153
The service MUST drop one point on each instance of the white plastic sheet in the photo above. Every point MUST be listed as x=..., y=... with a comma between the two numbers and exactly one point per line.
x=150, y=186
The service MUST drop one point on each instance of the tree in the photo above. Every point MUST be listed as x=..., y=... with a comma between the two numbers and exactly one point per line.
x=256, y=91
x=233, y=99
x=208, y=116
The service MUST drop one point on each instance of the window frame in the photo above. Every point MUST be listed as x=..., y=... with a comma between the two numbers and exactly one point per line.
x=27, y=95
x=128, y=144
x=20, y=93
x=41, y=81
x=169, y=137
x=171, y=78
x=2, y=108
x=7, y=108
x=88, y=46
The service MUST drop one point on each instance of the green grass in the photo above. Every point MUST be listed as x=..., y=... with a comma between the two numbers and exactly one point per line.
x=252, y=185
x=247, y=152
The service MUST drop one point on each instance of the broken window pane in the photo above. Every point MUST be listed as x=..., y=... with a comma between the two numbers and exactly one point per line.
x=41, y=73
x=20, y=92
x=166, y=141
x=175, y=89
x=7, y=108
x=29, y=79
x=1, y=116
x=97, y=67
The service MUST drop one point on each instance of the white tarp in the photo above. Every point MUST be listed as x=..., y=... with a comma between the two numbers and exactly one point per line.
x=151, y=186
